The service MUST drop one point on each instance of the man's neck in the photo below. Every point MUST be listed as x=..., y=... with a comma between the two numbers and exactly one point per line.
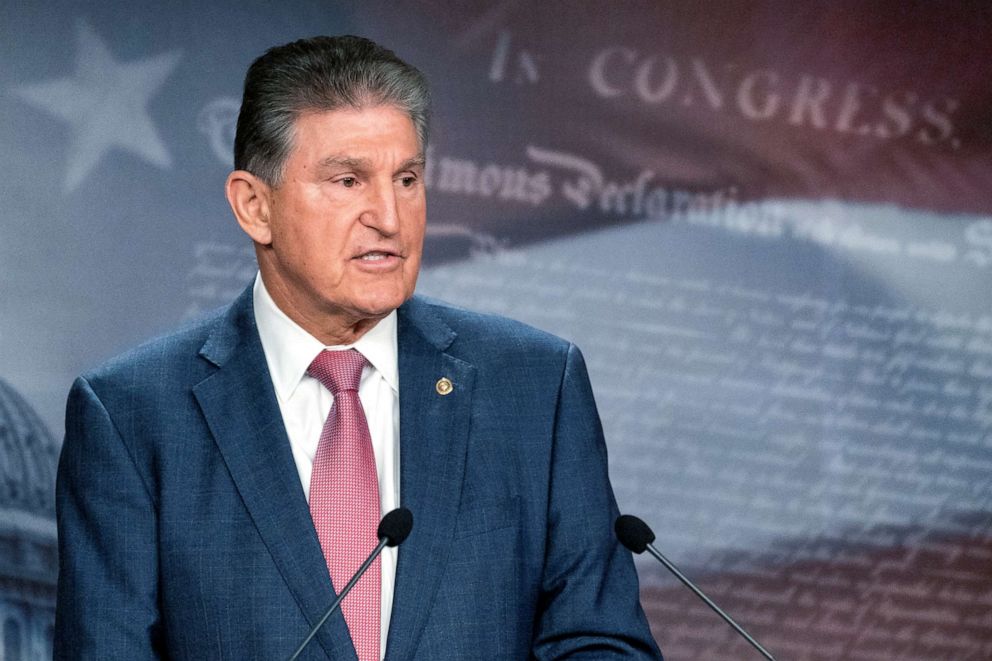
x=330, y=330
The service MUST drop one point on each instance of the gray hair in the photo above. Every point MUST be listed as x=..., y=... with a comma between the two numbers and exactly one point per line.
x=319, y=74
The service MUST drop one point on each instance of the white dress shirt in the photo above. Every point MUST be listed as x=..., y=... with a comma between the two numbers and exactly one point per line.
x=305, y=404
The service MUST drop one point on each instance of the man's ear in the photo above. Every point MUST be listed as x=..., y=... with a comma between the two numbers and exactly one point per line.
x=250, y=200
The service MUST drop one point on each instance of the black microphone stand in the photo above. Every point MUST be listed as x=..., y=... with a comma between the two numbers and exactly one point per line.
x=699, y=593
x=393, y=530
x=344, y=592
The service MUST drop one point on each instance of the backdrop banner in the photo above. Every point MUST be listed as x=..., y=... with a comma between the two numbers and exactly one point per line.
x=768, y=227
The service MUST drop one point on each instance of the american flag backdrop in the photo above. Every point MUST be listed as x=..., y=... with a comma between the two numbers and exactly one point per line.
x=768, y=225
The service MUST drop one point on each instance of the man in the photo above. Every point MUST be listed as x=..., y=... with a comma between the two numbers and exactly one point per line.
x=218, y=485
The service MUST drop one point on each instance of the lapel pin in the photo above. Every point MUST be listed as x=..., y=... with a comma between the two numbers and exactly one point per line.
x=444, y=386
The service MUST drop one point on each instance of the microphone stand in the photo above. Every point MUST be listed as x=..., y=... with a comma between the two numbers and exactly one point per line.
x=344, y=592
x=699, y=593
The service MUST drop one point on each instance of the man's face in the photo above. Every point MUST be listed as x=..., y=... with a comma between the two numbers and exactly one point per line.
x=347, y=222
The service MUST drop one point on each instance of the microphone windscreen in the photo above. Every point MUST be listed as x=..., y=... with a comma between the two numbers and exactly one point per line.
x=633, y=533
x=395, y=526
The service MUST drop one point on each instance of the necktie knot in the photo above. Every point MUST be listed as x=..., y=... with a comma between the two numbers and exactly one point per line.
x=338, y=370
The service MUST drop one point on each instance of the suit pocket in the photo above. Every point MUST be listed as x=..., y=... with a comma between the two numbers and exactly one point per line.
x=477, y=517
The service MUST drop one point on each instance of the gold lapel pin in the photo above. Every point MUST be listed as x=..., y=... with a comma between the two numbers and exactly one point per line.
x=444, y=386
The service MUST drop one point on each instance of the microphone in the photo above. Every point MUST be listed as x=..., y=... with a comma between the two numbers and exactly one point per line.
x=637, y=536
x=393, y=530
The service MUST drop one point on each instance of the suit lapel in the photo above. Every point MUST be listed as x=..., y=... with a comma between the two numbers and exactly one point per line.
x=239, y=404
x=433, y=445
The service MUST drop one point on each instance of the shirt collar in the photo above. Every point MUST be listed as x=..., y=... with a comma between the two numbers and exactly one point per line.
x=289, y=349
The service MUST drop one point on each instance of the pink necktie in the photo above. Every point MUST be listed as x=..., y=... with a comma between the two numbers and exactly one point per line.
x=344, y=497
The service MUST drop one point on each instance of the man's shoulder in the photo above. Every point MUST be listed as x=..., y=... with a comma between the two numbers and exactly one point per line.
x=166, y=357
x=490, y=332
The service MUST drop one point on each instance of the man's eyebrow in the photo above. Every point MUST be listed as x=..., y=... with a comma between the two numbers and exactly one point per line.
x=348, y=162
x=410, y=163
x=363, y=164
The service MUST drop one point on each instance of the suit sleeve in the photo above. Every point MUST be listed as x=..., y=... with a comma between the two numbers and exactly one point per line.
x=107, y=605
x=590, y=603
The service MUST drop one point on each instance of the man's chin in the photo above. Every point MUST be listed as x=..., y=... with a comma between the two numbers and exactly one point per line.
x=374, y=309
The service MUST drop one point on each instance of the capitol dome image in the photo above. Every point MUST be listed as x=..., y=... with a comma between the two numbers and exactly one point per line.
x=28, y=543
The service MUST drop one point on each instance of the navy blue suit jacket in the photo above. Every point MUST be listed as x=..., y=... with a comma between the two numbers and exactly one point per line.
x=184, y=532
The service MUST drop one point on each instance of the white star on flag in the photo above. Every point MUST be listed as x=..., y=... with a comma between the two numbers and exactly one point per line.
x=105, y=105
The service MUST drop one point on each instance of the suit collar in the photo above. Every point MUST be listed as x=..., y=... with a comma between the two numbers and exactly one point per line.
x=433, y=446
x=230, y=332
x=239, y=404
x=419, y=316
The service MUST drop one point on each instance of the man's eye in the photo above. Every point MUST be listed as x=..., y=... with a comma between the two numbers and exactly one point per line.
x=408, y=181
x=348, y=182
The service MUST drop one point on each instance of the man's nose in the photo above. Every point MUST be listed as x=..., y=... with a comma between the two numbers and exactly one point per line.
x=382, y=210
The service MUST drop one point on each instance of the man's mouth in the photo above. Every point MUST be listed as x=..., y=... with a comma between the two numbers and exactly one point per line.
x=375, y=256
